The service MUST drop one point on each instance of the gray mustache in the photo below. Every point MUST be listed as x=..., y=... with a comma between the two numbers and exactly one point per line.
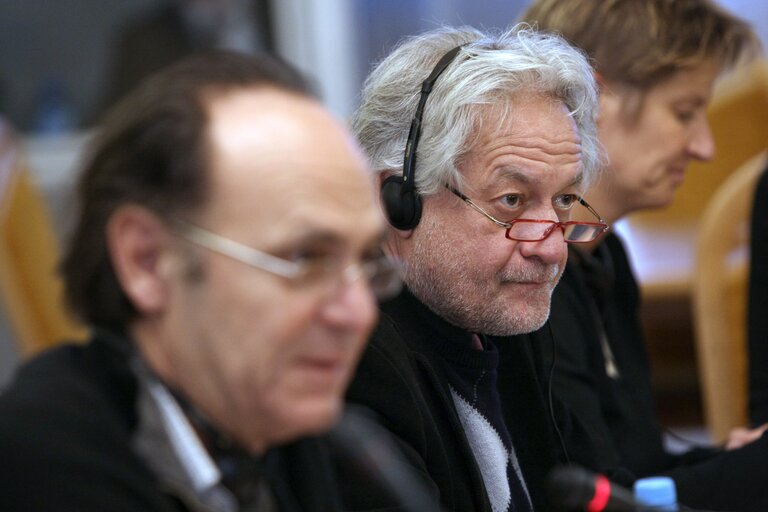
x=537, y=274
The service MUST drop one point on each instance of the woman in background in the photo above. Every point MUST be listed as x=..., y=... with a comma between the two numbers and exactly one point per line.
x=656, y=62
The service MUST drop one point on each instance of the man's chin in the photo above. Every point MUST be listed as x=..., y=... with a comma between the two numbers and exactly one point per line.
x=528, y=316
x=314, y=419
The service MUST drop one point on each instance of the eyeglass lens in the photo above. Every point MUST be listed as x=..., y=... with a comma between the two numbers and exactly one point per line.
x=582, y=232
x=535, y=230
x=383, y=276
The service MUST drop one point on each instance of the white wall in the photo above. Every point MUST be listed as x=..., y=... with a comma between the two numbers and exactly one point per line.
x=315, y=36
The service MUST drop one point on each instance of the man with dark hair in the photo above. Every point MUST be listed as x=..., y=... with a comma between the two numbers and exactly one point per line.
x=226, y=256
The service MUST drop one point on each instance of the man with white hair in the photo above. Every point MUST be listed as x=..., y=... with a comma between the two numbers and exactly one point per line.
x=499, y=146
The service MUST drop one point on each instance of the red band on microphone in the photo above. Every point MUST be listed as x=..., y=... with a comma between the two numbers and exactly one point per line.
x=602, y=495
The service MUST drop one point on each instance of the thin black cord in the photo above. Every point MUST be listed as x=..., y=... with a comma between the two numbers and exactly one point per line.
x=549, y=393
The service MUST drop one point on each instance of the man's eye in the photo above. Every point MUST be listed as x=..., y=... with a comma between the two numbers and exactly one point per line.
x=374, y=253
x=303, y=255
x=511, y=201
x=314, y=264
x=311, y=258
x=566, y=201
x=685, y=116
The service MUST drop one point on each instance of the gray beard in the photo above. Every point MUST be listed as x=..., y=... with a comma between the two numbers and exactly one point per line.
x=459, y=306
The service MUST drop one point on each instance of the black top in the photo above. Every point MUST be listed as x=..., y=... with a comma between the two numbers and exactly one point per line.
x=602, y=371
x=67, y=425
x=403, y=380
x=757, y=327
x=600, y=295
x=472, y=371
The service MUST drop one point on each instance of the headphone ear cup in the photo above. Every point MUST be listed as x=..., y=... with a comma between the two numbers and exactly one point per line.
x=402, y=207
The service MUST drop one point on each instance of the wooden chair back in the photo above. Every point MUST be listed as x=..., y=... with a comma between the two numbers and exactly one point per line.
x=30, y=290
x=720, y=288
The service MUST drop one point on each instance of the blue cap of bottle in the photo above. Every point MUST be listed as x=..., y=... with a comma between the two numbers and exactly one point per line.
x=657, y=492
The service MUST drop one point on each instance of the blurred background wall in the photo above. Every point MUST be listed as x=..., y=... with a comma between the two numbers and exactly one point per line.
x=57, y=59
x=62, y=50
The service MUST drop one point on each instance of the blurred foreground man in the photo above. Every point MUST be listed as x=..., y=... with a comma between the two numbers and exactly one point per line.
x=498, y=147
x=224, y=254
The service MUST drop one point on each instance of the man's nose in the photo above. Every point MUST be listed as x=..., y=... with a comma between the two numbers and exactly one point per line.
x=352, y=306
x=551, y=251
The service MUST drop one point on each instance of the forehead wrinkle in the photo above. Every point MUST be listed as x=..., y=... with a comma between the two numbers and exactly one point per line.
x=527, y=152
x=530, y=147
x=522, y=174
x=567, y=153
x=551, y=147
x=547, y=148
x=515, y=174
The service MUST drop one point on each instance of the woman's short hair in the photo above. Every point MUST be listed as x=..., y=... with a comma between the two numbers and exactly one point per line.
x=640, y=43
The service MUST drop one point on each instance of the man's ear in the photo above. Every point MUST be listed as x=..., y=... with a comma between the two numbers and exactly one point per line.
x=382, y=176
x=140, y=247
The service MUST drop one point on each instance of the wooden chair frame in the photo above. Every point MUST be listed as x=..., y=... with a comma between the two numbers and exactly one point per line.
x=720, y=299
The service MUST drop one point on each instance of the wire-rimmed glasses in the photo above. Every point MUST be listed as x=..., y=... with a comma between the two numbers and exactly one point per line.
x=535, y=230
x=383, y=275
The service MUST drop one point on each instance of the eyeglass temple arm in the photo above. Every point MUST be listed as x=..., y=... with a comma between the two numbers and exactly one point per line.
x=586, y=205
x=505, y=225
x=237, y=251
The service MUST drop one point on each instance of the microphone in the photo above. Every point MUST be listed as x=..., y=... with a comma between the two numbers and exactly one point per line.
x=574, y=488
x=372, y=448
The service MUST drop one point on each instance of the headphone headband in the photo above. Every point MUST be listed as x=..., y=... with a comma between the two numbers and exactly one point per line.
x=414, y=133
x=401, y=201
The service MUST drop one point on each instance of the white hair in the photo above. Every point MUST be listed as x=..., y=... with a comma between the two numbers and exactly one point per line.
x=489, y=70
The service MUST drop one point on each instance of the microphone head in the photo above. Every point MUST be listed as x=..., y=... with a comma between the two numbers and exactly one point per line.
x=570, y=487
x=362, y=441
x=575, y=488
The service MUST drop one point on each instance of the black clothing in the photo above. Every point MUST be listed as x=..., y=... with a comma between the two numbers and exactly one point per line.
x=403, y=379
x=472, y=375
x=605, y=383
x=67, y=431
x=757, y=308
x=595, y=322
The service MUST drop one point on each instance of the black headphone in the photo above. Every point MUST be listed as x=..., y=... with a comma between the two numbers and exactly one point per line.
x=399, y=197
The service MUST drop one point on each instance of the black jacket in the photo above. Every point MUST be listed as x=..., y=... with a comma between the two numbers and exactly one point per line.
x=757, y=331
x=601, y=294
x=403, y=381
x=598, y=294
x=66, y=426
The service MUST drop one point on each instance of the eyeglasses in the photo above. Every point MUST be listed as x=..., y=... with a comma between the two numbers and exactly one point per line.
x=329, y=274
x=532, y=230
